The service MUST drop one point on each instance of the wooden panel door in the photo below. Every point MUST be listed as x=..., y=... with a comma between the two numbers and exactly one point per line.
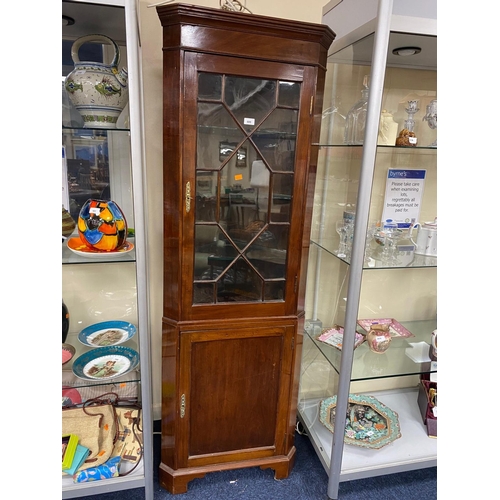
x=235, y=383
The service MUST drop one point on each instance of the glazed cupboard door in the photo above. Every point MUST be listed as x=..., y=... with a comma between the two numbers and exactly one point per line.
x=104, y=272
x=244, y=184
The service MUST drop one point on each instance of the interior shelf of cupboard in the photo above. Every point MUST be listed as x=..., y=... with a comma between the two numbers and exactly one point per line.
x=413, y=450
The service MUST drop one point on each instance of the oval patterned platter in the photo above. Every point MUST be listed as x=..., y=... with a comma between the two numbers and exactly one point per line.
x=107, y=333
x=369, y=423
x=105, y=363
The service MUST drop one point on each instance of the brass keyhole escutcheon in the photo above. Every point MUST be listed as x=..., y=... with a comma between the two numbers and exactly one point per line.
x=188, y=196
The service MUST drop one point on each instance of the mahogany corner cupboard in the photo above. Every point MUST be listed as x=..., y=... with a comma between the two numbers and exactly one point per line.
x=242, y=103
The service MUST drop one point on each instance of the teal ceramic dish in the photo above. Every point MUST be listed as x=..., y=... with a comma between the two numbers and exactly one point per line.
x=107, y=333
x=106, y=363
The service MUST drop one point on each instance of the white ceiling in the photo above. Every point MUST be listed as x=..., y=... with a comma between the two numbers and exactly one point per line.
x=361, y=51
x=92, y=19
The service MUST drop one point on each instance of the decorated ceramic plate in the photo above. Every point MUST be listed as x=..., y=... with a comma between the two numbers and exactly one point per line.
x=68, y=351
x=369, y=423
x=334, y=336
x=105, y=363
x=396, y=329
x=107, y=333
x=77, y=246
x=70, y=396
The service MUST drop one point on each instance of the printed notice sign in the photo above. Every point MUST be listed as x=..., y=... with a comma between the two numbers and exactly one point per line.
x=403, y=196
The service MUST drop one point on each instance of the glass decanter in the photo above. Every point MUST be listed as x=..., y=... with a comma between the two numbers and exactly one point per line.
x=407, y=135
x=431, y=117
x=412, y=110
x=356, y=118
x=332, y=132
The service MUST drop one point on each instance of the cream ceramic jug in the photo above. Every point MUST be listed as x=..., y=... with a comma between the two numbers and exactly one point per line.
x=98, y=91
x=426, y=241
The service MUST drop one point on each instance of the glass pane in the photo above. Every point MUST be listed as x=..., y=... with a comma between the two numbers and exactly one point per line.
x=213, y=251
x=205, y=244
x=229, y=151
x=203, y=293
x=274, y=290
x=289, y=94
x=255, y=231
x=214, y=121
x=268, y=252
x=282, y=198
x=245, y=195
x=209, y=86
x=206, y=199
x=276, y=139
x=249, y=99
x=239, y=284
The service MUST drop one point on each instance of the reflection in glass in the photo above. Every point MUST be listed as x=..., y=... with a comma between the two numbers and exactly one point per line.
x=88, y=166
x=203, y=293
x=209, y=86
x=244, y=184
x=226, y=148
x=356, y=118
x=239, y=283
x=249, y=99
x=289, y=94
x=276, y=139
x=214, y=117
x=274, y=290
x=282, y=197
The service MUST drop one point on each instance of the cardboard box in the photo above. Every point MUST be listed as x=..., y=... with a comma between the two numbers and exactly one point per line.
x=430, y=421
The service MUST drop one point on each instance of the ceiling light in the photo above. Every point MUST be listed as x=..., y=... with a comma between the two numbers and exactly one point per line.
x=406, y=51
x=67, y=21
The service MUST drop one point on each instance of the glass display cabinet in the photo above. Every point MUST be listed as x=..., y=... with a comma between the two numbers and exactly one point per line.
x=104, y=161
x=242, y=106
x=371, y=305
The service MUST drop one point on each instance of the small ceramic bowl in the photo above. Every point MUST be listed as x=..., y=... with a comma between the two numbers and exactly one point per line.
x=68, y=351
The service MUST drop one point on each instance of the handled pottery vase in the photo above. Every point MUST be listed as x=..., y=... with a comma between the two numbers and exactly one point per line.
x=98, y=91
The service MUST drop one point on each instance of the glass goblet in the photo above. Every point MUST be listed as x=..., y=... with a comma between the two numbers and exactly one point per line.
x=341, y=229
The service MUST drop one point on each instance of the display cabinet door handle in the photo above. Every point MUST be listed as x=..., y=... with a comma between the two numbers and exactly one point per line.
x=188, y=196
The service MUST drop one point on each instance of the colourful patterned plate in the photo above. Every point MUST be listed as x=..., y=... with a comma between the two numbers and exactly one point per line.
x=77, y=246
x=369, y=423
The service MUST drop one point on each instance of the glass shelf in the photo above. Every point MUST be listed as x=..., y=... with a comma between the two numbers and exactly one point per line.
x=405, y=258
x=69, y=257
x=395, y=362
x=95, y=130
x=380, y=148
x=126, y=386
